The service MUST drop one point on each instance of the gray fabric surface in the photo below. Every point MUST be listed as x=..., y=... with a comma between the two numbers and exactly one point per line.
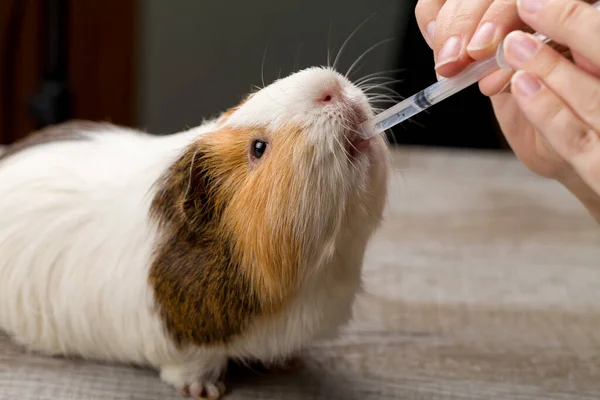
x=482, y=283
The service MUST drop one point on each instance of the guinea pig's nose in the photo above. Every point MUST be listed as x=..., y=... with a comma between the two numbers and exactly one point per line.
x=330, y=94
x=326, y=98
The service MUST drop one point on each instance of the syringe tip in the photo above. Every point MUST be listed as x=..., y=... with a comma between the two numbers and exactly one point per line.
x=366, y=130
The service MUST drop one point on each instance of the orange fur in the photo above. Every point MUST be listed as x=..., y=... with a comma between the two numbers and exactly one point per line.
x=268, y=242
x=214, y=246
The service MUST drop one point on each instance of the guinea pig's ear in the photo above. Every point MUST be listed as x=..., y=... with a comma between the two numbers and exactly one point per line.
x=183, y=196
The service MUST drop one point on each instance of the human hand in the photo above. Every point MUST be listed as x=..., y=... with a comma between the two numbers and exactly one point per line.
x=552, y=118
x=461, y=31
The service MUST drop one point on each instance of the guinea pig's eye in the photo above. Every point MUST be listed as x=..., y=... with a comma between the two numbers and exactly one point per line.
x=258, y=148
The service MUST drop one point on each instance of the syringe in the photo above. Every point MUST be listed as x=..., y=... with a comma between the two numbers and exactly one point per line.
x=439, y=91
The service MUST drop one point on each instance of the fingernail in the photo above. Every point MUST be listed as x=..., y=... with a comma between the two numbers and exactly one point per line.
x=430, y=28
x=483, y=38
x=526, y=83
x=520, y=47
x=449, y=52
x=530, y=6
x=506, y=87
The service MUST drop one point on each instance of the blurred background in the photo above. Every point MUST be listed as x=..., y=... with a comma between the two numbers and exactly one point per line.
x=162, y=66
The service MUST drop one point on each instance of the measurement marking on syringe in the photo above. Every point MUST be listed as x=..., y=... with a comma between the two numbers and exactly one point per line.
x=421, y=100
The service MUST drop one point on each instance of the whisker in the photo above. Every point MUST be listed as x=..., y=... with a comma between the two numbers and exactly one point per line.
x=296, y=65
x=358, y=69
x=354, y=166
x=262, y=67
x=389, y=134
x=376, y=95
x=382, y=100
x=383, y=79
x=380, y=84
x=335, y=154
x=386, y=89
x=389, y=71
x=413, y=121
x=337, y=57
x=365, y=53
x=382, y=90
x=379, y=96
x=344, y=123
x=388, y=104
x=384, y=97
x=329, y=46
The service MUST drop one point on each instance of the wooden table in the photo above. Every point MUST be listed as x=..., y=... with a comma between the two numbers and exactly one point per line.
x=483, y=283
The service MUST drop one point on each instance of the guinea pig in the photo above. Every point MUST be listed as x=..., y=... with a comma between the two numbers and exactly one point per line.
x=240, y=239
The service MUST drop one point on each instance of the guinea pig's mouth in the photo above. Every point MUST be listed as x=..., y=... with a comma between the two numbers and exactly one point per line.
x=354, y=143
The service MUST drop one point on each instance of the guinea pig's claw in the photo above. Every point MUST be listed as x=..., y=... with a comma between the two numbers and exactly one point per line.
x=203, y=390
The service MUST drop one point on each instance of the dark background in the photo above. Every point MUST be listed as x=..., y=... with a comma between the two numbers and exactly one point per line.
x=163, y=66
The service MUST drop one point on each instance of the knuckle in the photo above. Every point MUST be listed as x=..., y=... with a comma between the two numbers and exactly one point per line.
x=592, y=107
x=504, y=8
x=447, y=25
x=555, y=116
x=569, y=15
x=570, y=137
x=506, y=13
x=550, y=65
x=582, y=143
x=461, y=19
x=456, y=20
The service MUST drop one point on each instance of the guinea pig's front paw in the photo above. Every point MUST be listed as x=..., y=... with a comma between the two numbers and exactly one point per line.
x=199, y=381
x=203, y=390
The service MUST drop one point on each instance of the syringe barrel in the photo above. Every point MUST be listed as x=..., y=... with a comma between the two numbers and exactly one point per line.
x=501, y=60
x=472, y=74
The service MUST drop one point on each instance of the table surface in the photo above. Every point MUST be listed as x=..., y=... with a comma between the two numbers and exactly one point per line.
x=482, y=283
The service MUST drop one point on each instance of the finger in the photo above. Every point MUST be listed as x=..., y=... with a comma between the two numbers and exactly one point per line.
x=500, y=19
x=496, y=82
x=586, y=64
x=578, y=89
x=573, y=139
x=572, y=23
x=529, y=147
x=426, y=13
x=454, y=27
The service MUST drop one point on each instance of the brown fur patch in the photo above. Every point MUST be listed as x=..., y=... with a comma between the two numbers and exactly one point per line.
x=230, y=253
x=68, y=131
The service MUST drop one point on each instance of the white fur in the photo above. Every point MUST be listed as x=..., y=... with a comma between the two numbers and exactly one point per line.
x=76, y=243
